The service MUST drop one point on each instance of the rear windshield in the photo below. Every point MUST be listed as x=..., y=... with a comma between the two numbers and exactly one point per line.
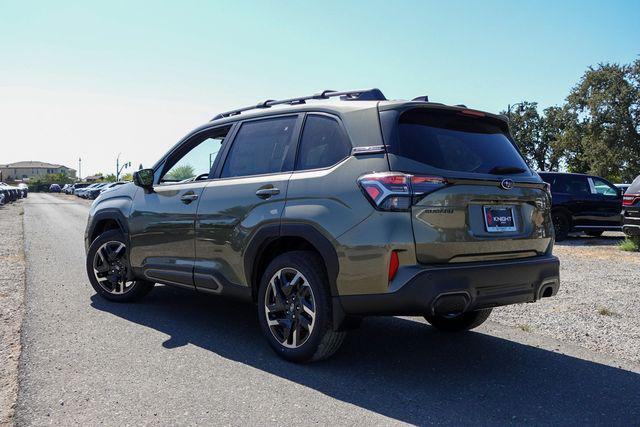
x=634, y=188
x=454, y=142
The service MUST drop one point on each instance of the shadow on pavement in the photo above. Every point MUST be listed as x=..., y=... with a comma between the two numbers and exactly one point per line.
x=406, y=370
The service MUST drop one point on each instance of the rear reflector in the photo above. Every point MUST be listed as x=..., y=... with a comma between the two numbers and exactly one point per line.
x=630, y=199
x=393, y=265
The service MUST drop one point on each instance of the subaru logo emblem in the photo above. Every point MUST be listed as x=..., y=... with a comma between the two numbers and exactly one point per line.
x=507, y=184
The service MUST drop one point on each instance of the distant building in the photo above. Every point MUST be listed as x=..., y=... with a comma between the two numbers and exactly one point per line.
x=24, y=170
x=94, y=178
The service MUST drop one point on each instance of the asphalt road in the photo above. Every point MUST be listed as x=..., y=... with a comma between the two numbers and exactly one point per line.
x=183, y=358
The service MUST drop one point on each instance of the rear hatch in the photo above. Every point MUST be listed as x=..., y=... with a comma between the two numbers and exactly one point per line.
x=473, y=196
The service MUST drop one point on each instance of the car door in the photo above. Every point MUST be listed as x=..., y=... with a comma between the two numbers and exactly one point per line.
x=162, y=221
x=249, y=192
x=607, y=201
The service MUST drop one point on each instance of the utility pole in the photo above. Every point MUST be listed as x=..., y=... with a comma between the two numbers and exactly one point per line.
x=80, y=168
x=120, y=169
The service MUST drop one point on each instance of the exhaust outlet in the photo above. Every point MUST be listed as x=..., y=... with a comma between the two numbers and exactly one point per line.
x=455, y=303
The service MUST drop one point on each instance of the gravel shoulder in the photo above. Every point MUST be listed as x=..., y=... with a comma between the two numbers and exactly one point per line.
x=598, y=303
x=12, y=286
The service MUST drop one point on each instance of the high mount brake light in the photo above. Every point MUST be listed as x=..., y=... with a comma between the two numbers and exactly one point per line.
x=393, y=191
x=472, y=113
x=630, y=199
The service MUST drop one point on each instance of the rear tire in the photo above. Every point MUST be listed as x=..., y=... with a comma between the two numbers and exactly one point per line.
x=294, y=308
x=561, y=225
x=459, y=323
x=109, y=270
x=593, y=233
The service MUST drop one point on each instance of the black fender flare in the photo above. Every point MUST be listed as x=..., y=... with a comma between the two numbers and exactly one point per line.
x=111, y=214
x=270, y=232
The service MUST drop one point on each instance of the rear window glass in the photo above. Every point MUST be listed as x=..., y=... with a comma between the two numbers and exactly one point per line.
x=634, y=188
x=450, y=141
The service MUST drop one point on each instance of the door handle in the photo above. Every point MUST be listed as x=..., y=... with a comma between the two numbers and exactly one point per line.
x=265, y=193
x=188, y=198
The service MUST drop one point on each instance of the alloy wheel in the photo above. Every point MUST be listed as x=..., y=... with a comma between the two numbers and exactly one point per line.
x=290, y=307
x=110, y=268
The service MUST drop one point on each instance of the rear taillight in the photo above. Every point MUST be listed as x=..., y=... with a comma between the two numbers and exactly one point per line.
x=630, y=199
x=393, y=191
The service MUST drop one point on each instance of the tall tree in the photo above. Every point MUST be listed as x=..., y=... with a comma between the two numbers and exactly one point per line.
x=537, y=135
x=605, y=138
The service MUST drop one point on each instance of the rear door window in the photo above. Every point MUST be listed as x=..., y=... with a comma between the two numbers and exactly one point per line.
x=261, y=147
x=571, y=184
x=449, y=141
x=602, y=187
x=323, y=143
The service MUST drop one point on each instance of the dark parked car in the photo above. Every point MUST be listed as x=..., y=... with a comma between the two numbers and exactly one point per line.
x=92, y=192
x=631, y=209
x=321, y=211
x=583, y=203
x=54, y=188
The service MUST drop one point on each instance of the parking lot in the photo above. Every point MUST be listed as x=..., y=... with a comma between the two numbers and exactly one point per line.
x=182, y=356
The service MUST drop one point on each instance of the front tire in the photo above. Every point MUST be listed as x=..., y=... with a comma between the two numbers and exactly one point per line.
x=461, y=322
x=294, y=308
x=109, y=270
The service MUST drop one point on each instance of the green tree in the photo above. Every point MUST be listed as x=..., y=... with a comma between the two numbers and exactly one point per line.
x=110, y=178
x=537, y=135
x=178, y=173
x=605, y=138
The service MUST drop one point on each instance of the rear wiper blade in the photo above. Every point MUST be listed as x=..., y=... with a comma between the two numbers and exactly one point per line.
x=506, y=170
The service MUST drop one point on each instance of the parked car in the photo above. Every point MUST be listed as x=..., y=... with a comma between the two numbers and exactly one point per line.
x=631, y=209
x=583, y=203
x=65, y=188
x=11, y=193
x=327, y=208
x=54, y=188
x=92, y=192
x=622, y=187
x=24, y=189
x=79, y=189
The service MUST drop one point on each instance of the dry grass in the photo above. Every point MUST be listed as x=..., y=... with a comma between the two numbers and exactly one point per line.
x=525, y=328
x=604, y=311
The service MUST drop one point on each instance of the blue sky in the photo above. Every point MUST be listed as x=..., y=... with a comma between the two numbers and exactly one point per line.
x=94, y=79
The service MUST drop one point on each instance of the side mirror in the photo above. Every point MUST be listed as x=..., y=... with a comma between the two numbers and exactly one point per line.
x=143, y=178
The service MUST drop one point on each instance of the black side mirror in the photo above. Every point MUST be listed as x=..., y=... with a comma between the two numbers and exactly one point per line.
x=143, y=178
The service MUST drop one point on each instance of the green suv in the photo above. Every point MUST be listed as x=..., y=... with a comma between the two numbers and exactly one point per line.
x=327, y=208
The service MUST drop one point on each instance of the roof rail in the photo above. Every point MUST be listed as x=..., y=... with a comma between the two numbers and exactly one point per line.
x=349, y=95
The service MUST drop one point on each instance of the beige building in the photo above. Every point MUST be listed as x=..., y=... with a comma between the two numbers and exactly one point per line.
x=24, y=170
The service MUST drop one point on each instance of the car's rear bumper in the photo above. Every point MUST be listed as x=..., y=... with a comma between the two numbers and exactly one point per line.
x=631, y=221
x=463, y=287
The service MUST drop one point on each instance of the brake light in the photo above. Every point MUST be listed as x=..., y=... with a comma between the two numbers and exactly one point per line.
x=630, y=199
x=394, y=263
x=473, y=113
x=394, y=191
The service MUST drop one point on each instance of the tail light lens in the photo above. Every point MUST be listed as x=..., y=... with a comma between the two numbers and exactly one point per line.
x=630, y=199
x=393, y=191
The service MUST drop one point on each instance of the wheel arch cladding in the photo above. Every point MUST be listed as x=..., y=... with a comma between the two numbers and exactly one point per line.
x=109, y=219
x=272, y=240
